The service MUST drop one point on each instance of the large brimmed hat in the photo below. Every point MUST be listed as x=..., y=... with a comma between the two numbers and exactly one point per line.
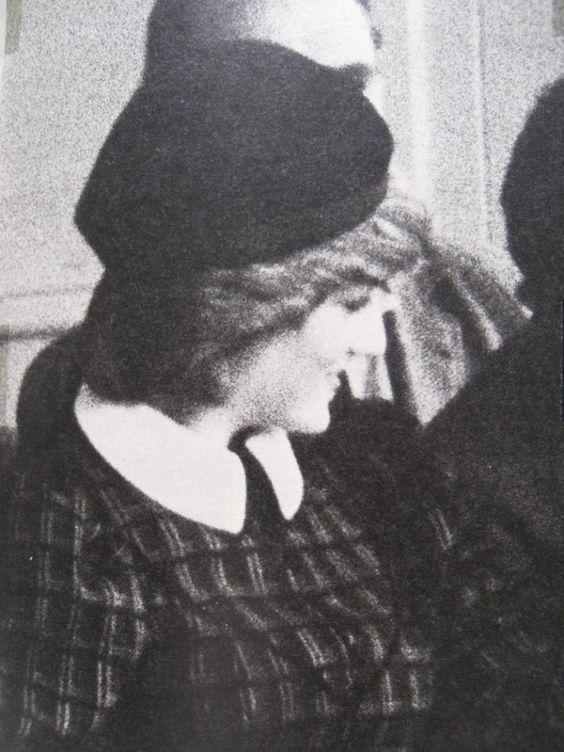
x=242, y=155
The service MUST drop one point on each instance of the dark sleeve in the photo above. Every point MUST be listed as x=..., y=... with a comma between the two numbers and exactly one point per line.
x=47, y=392
x=499, y=685
x=499, y=628
x=366, y=436
x=73, y=626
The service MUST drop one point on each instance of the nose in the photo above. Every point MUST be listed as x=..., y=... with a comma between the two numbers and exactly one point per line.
x=368, y=330
x=369, y=338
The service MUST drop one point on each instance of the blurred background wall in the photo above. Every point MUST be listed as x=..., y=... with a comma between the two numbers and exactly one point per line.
x=459, y=80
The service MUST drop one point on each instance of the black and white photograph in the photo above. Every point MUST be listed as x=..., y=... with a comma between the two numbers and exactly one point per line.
x=281, y=376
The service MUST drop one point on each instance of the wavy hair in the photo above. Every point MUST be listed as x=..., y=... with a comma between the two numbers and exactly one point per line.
x=150, y=343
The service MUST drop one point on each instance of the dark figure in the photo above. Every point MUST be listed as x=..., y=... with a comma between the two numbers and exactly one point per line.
x=504, y=431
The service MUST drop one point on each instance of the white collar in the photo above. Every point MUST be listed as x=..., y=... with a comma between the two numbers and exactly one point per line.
x=185, y=472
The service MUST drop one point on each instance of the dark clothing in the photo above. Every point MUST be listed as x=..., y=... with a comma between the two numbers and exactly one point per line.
x=505, y=431
x=138, y=629
x=364, y=623
x=504, y=434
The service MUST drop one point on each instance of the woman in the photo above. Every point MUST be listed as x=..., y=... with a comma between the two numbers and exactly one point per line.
x=194, y=564
x=453, y=307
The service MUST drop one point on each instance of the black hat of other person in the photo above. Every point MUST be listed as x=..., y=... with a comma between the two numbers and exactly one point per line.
x=240, y=155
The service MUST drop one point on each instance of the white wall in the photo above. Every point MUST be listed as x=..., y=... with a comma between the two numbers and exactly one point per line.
x=522, y=51
x=64, y=85
x=2, y=35
x=462, y=76
x=70, y=72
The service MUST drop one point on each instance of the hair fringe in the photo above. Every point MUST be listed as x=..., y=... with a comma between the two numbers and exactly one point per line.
x=142, y=342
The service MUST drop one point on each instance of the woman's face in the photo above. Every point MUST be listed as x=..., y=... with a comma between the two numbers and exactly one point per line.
x=289, y=381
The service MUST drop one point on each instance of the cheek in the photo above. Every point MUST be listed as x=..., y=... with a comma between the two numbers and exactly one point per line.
x=326, y=340
x=379, y=337
x=367, y=334
x=307, y=405
x=308, y=387
x=294, y=384
x=307, y=375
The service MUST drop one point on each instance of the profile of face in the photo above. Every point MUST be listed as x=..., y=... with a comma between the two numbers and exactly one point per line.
x=290, y=380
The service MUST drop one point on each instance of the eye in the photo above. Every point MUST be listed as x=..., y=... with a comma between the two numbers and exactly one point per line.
x=355, y=304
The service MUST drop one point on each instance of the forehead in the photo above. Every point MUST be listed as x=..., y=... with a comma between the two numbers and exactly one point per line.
x=334, y=319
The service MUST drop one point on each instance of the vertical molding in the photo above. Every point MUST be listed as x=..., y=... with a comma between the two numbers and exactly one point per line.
x=3, y=34
x=558, y=17
x=494, y=223
x=520, y=54
x=481, y=105
x=3, y=344
x=446, y=114
x=420, y=99
x=13, y=10
x=3, y=383
x=390, y=18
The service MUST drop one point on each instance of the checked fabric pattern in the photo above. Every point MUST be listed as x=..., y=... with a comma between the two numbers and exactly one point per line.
x=254, y=642
x=128, y=628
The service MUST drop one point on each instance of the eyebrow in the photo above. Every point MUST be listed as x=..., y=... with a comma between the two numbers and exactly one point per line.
x=355, y=302
x=357, y=295
x=361, y=279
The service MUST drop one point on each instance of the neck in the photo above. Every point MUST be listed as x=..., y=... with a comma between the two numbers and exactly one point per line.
x=215, y=425
x=219, y=425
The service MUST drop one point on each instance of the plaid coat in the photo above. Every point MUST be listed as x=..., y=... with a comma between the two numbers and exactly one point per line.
x=128, y=628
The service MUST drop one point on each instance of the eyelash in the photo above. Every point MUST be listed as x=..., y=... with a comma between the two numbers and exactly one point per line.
x=355, y=305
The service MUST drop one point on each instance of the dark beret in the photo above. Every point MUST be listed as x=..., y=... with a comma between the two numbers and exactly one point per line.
x=243, y=155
